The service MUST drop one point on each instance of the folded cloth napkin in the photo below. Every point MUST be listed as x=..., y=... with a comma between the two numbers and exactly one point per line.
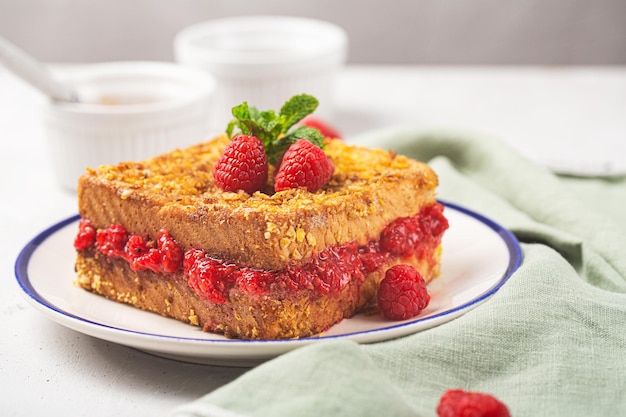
x=550, y=342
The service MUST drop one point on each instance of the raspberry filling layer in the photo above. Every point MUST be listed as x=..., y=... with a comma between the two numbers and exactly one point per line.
x=330, y=270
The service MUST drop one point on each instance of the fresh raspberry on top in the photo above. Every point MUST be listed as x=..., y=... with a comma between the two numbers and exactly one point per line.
x=402, y=293
x=303, y=165
x=325, y=129
x=460, y=403
x=242, y=166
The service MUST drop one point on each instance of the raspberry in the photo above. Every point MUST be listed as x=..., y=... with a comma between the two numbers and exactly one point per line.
x=142, y=255
x=209, y=278
x=400, y=236
x=331, y=270
x=242, y=166
x=371, y=257
x=136, y=247
x=112, y=240
x=171, y=253
x=151, y=260
x=460, y=403
x=433, y=221
x=303, y=165
x=190, y=260
x=86, y=235
x=254, y=281
x=402, y=293
x=325, y=129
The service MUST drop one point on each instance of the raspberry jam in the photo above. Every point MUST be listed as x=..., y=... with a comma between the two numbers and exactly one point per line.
x=165, y=255
x=86, y=235
x=330, y=270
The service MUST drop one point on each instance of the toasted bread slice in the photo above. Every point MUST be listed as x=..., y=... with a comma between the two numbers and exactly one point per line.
x=274, y=236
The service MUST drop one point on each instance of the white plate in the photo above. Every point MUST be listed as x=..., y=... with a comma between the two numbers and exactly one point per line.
x=478, y=258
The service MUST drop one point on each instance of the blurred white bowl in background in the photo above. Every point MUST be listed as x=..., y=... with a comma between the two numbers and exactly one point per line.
x=128, y=111
x=264, y=60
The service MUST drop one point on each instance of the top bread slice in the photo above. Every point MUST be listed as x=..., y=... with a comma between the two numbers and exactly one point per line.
x=267, y=230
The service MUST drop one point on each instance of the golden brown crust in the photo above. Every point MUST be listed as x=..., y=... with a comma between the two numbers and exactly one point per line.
x=368, y=189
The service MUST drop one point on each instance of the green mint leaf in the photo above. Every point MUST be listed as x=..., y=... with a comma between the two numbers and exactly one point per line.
x=241, y=113
x=269, y=123
x=277, y=149
x=230, y=128
x=265, y=125
x=309, y=133
x=273, y=129
x=279, y=146
x=296, y=108
x=262, y=127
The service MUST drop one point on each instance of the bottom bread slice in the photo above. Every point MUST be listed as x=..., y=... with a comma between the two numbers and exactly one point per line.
x=268, y=316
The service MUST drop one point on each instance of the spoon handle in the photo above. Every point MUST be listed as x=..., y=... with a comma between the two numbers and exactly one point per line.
x=34, y=72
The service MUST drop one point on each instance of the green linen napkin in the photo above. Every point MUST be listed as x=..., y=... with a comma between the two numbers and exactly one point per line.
x=550, y=342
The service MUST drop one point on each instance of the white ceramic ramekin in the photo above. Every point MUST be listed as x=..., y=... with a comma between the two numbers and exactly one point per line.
x=264, y=60
x=128, y=111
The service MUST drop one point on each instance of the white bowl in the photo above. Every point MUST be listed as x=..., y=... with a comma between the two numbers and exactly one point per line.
x=264, y=60
x=128, y=111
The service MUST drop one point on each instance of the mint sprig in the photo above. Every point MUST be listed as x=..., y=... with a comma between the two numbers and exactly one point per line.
x=274, y=129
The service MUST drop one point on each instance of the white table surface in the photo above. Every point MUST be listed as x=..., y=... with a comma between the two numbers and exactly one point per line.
x=573, y=118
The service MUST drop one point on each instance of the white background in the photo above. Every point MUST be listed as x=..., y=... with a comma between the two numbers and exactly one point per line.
x=440, y=32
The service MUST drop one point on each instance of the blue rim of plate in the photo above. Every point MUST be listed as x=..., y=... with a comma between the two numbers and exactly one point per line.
x=25, y=255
